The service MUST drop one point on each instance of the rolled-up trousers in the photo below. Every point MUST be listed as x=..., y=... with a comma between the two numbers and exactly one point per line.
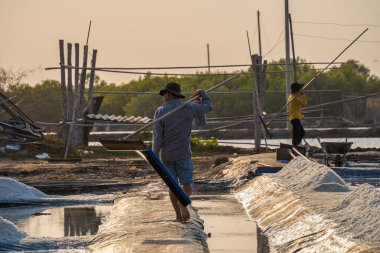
x=298, y=132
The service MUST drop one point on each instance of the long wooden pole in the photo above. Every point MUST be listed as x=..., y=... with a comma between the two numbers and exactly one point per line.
x=63, y=80
x=249, y=45
x=293, y=51
x=287, y=53
x=75, y=105
x=340, y=101
x=259, y=29
x=208, y=58
x=318, y=74
x=82, y=83
x=178, y=108
x=255, y=59
x=91, y=83
x=76, y=109
x=70, y=103
x=88, y=33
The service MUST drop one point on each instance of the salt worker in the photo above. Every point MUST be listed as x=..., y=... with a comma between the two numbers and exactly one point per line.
x=171, y=139
x=296, y=100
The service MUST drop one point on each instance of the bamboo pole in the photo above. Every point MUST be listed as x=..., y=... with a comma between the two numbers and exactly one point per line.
x=63, y=81
x=76, y=139
x=178, y=108
x=195, y=67
x=255, y=59
x=91, y=83
x=318, y=74
x=259, y=30
x=208, y=58
x=340, y=101
x=73, y=140
x=82, y=83
x=70, y=103
x=293, y=51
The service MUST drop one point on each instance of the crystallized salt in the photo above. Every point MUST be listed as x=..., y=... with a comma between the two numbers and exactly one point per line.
x=303, y=175
x=12, y=190
x=9, y=232
x=359, y=212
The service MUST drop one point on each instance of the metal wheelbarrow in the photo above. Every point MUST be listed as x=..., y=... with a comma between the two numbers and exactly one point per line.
x=336, y=152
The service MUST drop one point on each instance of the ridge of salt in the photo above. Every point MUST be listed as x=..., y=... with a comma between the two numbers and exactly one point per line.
x=359, y=211
x=9, y=232
x=12, y=190
x=303, y=175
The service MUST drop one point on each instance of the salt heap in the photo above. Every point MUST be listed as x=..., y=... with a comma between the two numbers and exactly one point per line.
x=359, y=212
x=9, y=232
x=303, y=175
x=12, y=190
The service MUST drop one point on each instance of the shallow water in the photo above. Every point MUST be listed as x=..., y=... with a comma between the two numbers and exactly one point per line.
x=357, y=142
x=63, y=221
x=226, y=223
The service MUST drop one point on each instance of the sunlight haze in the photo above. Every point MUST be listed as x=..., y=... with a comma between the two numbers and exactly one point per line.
x=148, y=33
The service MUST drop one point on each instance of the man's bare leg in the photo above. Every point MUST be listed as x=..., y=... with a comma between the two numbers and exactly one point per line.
x=176, y=205
x=188, y=188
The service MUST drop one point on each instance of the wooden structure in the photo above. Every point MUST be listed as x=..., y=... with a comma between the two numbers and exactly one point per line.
x=74, y=103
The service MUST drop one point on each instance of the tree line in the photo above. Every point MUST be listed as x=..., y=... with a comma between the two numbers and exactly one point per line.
x=42, y=102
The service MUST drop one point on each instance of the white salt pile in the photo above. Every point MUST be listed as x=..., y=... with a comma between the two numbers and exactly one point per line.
x=12, y=190
x=356, y=211
x=9, y=232
x=303, y=175
x=359, y=212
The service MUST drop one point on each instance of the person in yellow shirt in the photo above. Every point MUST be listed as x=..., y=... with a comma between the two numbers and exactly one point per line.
x=296, y=101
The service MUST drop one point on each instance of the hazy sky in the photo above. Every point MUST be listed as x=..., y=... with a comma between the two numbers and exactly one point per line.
x=146, y=33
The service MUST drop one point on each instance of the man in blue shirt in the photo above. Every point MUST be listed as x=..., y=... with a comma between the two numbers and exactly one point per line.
x=171, y=139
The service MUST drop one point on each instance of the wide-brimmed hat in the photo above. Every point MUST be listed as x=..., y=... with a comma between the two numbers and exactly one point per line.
x=296, y=87
x=173, y=88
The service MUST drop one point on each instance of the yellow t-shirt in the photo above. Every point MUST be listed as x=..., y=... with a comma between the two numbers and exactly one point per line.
x=294, y=107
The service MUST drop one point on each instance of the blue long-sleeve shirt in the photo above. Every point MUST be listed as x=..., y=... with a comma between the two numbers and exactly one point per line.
x=171, y=136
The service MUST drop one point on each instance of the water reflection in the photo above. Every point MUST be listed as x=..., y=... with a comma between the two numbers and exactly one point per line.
x=65, y=221
x=81, y=221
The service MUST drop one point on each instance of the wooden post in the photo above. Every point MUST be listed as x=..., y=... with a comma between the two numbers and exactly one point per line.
x=259, y=71
x=256, y=109
x=258, y=27
x=208, y=58
x=76, y=137
x=262, y=88
x=91, y=84
x=63, y=128
x=83, y=80
x=294, y=53
x=81, y=88
x=90, y=101
x=70, y=103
